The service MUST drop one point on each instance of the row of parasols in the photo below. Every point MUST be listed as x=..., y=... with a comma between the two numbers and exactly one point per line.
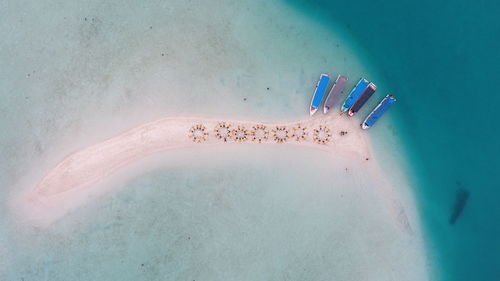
x=260, y=133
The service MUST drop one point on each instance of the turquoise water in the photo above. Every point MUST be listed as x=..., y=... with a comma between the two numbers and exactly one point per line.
x=79, y=73
x=442, y=60
x=258, y=218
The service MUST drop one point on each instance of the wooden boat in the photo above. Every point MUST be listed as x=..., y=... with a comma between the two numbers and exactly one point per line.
x=378, y=111
x=335, y=92
x=362, y=99
x=355, y=93
x=319, y=93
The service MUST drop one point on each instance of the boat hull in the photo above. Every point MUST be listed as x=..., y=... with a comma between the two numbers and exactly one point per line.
x=378, y=111
x=319, y=93
x=326, y=109
x=335, y=92
x=312, y=111
x=363, y=98
x=354, y=95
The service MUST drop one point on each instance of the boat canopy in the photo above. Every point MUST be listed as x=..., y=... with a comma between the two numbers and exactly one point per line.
x=381, y=108
x=355, y=93
x=363, y=98
x=320, y=90
x=337, y=88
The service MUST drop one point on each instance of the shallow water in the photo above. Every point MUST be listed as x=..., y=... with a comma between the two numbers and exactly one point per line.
x=227, y=213
x=441, y=60
x=82, y=72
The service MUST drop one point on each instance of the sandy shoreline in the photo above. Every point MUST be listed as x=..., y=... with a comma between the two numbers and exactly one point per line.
x=98, y=161
x=95, y=185
x=77, y=178
x=83, y=176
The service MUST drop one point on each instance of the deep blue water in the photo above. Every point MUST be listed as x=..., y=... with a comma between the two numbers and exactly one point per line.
x=442, y=60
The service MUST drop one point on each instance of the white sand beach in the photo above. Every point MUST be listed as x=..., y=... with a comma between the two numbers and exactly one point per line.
x=75, y=181
x=104, y=183
x=90, y=165
x=335, y=134
x=93, y=163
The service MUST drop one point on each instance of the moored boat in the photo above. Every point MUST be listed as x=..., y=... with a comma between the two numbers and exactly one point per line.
x=362, y=99
x=378, y=111
x=354, y=95
x=319, y=93
x=335, y=92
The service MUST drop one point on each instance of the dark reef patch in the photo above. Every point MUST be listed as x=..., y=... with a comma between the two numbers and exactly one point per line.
x=461, y=197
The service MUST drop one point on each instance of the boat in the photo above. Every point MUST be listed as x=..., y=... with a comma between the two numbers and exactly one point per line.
x=362, y=99
x=319, y=93
x=335, y=92
x=378, y=111
x=355, y=93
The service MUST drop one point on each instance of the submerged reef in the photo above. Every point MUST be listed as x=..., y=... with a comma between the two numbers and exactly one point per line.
x=461, y=196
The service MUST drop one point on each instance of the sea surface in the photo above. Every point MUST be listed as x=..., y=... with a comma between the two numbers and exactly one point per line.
x=77, y=73
x=441, y=60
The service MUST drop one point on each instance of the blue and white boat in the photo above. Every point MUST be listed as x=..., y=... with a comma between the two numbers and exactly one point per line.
x=335, y=92
x=379, y=110
x=354, y=95
x=319, y=93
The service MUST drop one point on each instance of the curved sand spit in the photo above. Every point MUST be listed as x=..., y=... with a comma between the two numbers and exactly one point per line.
x=68, y=184
x=98, y=161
